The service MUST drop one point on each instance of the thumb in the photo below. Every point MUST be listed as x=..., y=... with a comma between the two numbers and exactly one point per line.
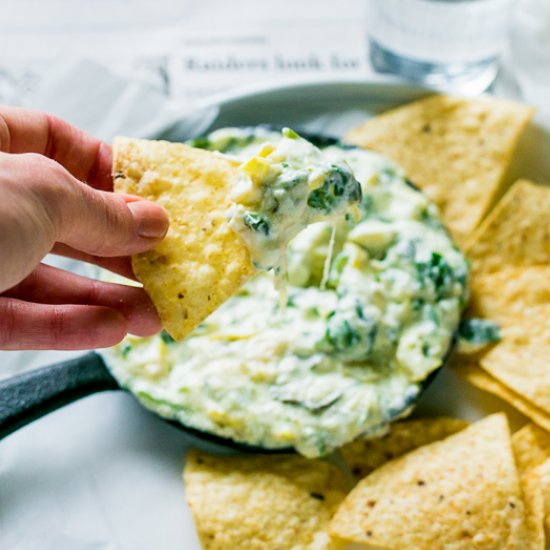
x=107, y=224
x=43, y=204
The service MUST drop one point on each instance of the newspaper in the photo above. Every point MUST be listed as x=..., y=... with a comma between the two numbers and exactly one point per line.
x=178, y=48
x=207, y=62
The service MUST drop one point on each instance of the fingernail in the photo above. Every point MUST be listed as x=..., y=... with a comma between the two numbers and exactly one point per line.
x=150, y=219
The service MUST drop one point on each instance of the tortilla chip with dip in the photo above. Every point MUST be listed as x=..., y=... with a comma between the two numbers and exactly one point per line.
x=202, y=261
x=275, y=502
x=462, y=492
x=456, y=150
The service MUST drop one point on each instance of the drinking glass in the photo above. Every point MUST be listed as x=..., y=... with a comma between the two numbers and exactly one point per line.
x=449, y=44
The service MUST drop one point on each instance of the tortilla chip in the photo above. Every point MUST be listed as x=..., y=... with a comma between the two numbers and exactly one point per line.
x=520, y=360
x=462, y=492
x=262, y=502
x=543, y=473
x=455, y=149
x=516, y=232
x=518, y=300
x=511, y=286
x=365, y=455
x=510, y=292
x=531, y=446
x=202, y=261
x=481, y=379
x=533, y=500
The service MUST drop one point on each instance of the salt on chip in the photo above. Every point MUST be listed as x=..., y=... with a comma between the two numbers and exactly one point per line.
x=462, y=492
x=516, y=232
x=202, y=261
x=365, y=455
x=484, y=381
x=455, y=149
x=262, y=502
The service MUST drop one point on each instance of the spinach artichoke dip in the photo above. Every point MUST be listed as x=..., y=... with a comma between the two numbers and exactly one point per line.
x=358, y=333
x=283, y=188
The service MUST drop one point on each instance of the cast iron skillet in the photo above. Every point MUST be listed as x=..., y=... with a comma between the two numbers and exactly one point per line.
x=29, y=396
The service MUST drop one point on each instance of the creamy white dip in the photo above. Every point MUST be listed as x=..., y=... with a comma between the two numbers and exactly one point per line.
x=336, y=362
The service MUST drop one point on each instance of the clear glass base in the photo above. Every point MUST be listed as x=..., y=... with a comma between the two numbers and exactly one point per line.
x=465, y=78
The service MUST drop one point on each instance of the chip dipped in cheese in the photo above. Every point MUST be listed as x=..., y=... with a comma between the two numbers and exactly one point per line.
x=202, y=261
x=227, y=218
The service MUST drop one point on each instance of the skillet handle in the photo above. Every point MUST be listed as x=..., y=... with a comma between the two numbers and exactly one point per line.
x=31, y=395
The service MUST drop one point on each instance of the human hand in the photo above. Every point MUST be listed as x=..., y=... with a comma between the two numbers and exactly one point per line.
x=45, y=207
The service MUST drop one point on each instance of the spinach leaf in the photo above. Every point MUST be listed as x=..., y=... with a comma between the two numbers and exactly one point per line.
x=350, y=335
x=438, y=271
x=166, y=338
x=200, y=143
x=342, y=336
x=479, y=331
x=339, y=186
x=256, y=222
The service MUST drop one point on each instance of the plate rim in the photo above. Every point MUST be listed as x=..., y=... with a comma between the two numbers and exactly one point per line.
x=294, y=85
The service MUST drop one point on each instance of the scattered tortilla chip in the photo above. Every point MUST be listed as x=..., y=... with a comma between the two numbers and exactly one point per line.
x=543, y=473
x=511, y=286
x=518, y=300
x=262, y=502
x=481, y=379
x=462, y=492
x=520, y=360
x=531, y=446
x=455, y=149
x=533, y=500
x=202, y=261
x=516, y=232
x=510, y=292
x=365, y=455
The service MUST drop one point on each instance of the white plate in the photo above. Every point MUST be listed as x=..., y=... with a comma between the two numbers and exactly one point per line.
x=104, y=473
